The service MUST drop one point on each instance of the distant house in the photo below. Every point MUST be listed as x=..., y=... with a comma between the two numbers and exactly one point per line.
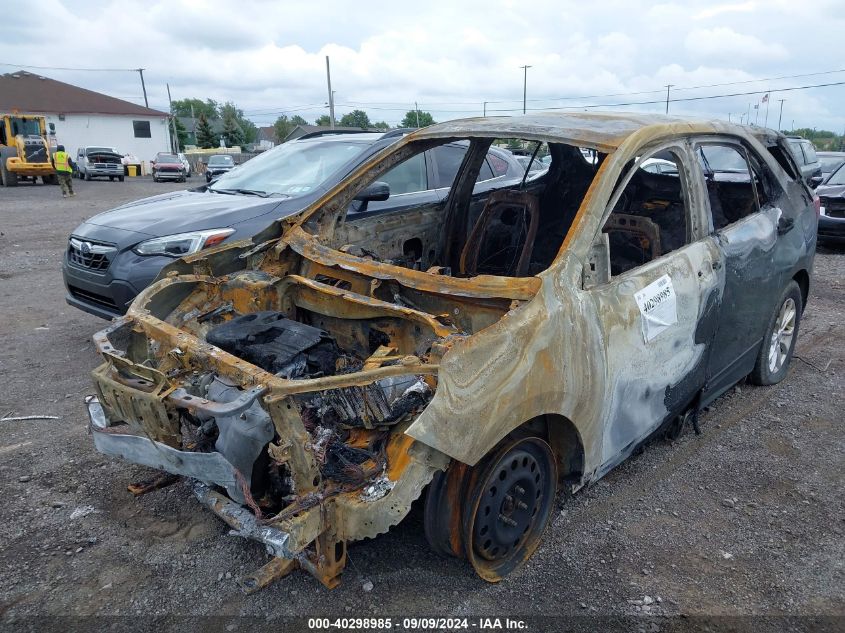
x=266, y=138
x=83, y=117
x=191, y=123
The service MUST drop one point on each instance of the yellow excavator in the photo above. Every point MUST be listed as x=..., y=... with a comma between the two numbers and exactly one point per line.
x=25, y=151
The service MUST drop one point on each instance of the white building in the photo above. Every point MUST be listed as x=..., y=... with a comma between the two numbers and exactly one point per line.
x=83, y=117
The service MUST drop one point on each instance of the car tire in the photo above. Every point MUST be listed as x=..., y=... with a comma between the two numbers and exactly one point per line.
x=9, y=178
x=779, y=341
x=120, y=178
x=501, y=506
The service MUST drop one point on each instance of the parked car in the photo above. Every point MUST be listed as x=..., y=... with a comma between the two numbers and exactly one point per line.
x=829, y=162
x=832, y=202
x=218, y=165
x=128, y=246
x=659, y=166
x=474, y=350
x=804, y=153
x=168, y=167
x=99, y=162
x=186, y=164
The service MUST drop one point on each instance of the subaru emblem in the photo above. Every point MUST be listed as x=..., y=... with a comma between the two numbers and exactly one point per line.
x=85, y=247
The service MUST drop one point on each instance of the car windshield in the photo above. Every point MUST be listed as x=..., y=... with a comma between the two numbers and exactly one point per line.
x=25, y=126
x=221, y=160
x=292, y=169
x=829, y=163
x=837, y=177
x=167, y=158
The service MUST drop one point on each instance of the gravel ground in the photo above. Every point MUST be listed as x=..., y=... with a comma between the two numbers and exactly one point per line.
x=745, y=520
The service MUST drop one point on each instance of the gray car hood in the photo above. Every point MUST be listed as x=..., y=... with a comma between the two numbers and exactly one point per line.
x=184, y=211
x=831, y=191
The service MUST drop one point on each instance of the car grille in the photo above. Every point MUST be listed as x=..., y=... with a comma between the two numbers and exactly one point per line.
x=834, y=207
x=92, y=297
x=93, y=256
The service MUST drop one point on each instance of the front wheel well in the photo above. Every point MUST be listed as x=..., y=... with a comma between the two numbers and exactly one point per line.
x=562, y=435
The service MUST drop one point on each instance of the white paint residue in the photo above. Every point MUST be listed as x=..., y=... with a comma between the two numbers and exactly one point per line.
x=658, y=307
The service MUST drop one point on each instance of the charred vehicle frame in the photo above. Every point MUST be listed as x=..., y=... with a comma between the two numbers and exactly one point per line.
x=482, y=351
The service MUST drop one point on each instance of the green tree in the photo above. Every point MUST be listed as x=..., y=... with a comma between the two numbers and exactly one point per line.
x=824, y=140
x=183, y=107
x=282, y=127
x=181, y=133
x=323, y=120
x=249, y=131
x=233, y=134
x=356, y=118
x=411, y=117
x=381, y=125
x=298, y=120
x=205, y=135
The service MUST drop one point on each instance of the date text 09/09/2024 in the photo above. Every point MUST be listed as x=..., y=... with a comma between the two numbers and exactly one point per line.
x=419, y=624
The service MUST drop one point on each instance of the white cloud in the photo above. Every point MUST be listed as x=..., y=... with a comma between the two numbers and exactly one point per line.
x=450, y=57
x=720, y=9
x=725, y=44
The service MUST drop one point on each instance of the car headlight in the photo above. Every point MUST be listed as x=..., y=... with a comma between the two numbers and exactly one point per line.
x=182, y=243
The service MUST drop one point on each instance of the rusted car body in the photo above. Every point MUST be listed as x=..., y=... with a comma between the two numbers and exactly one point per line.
x=484, y=350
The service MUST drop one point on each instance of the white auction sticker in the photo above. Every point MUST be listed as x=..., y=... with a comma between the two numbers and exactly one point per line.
x=658, y=306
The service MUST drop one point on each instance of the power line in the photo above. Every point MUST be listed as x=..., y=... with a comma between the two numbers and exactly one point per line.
x=107, y=70
x=700, y=98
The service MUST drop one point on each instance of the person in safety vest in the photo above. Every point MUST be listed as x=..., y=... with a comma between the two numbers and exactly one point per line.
x=64, y=170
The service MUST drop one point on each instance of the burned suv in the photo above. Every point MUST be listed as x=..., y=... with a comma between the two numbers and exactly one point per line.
x=482, y=350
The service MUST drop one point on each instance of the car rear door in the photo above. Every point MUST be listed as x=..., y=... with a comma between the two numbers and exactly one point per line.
x=744, y=210
x=658, y=310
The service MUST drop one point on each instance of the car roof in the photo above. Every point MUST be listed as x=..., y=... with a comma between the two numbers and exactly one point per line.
x=597, y=130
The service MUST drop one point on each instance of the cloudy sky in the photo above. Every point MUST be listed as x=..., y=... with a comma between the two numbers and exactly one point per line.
x=450, y=57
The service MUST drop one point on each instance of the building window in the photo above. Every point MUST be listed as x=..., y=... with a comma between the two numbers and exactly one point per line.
x=142, y=129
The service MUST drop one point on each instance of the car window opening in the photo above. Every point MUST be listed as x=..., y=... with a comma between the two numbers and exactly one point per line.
x=650, y=217
x=506, y=225
x=731, y=183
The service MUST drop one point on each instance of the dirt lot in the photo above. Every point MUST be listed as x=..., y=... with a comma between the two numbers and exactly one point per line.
x=746, y=519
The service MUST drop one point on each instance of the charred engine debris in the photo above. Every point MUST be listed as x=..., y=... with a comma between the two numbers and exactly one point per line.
x=349, y=426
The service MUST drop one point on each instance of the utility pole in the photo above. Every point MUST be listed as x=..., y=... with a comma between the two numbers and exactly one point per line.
x=172, y=119
x=485, y=108
x=668, y=86
x=748, y=117
x=331, y=94
x=417, y=110
x=143, y=87
x=780, y=116
x=524, y=87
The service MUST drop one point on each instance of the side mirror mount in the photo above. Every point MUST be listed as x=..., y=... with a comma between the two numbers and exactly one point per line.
x=815, y=181
x=596, y=269
x=785, y=225
x=377, y=191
